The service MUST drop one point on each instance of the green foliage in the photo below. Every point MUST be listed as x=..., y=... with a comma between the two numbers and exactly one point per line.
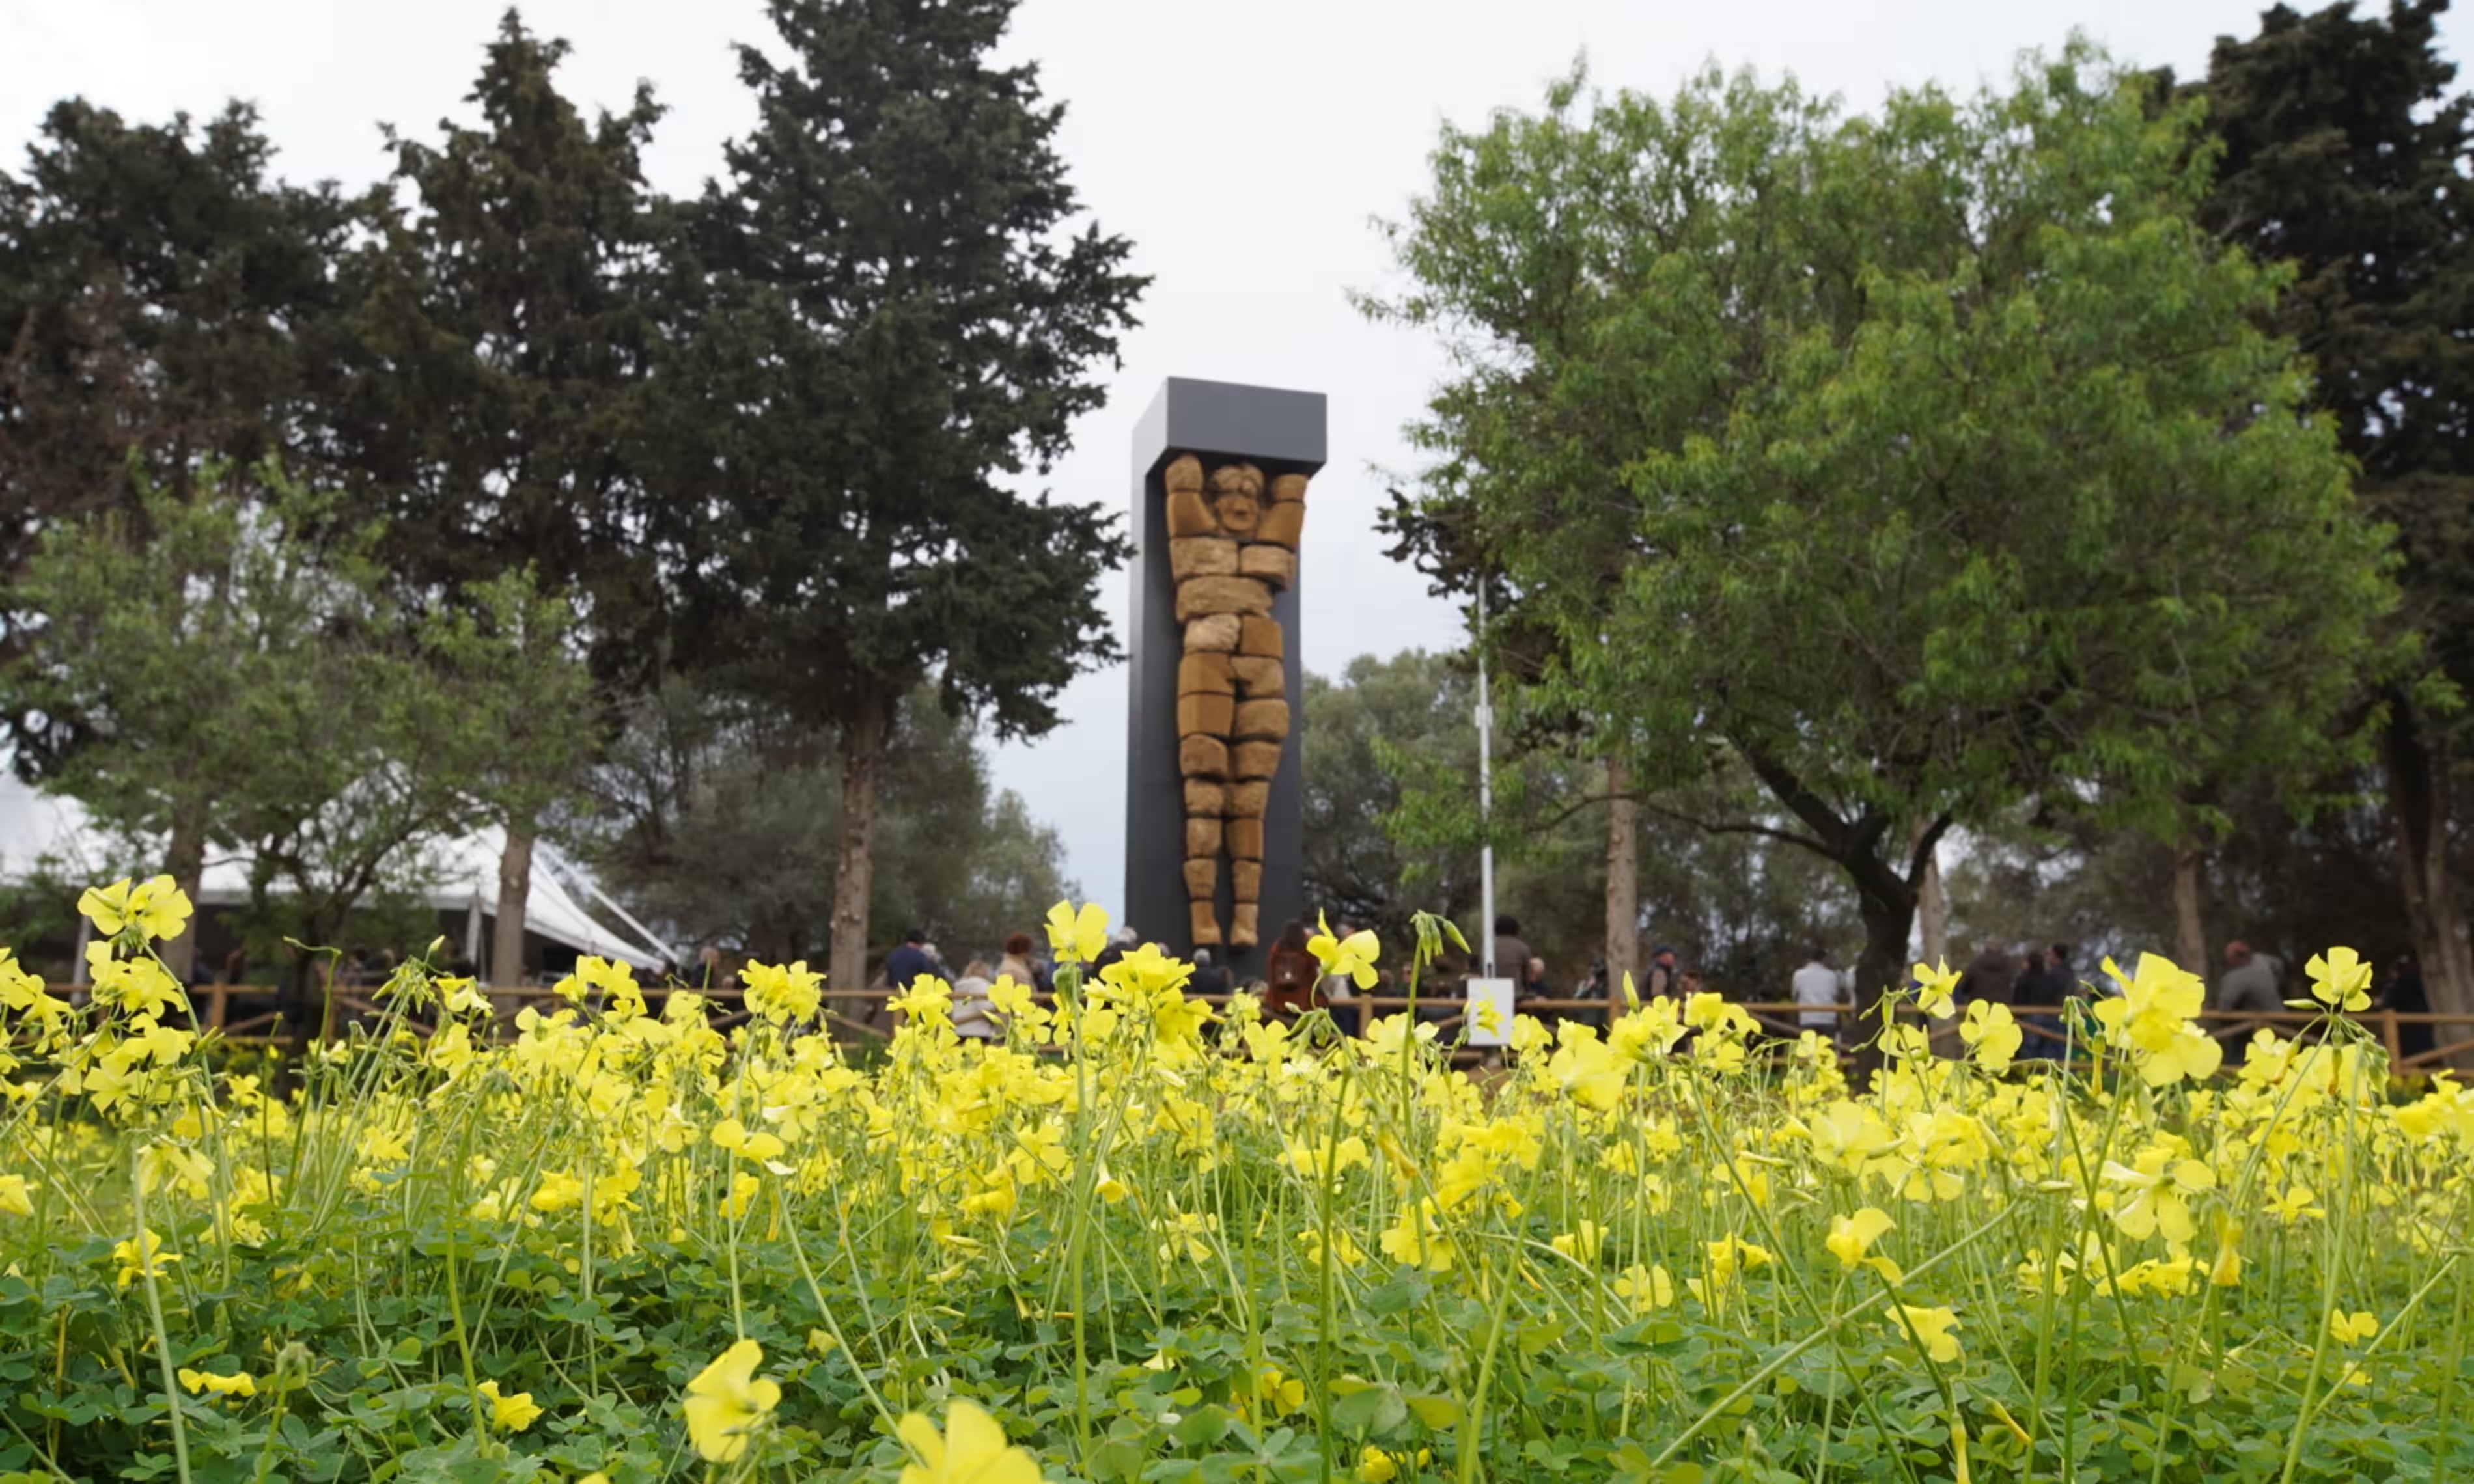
x=503, y=320
x=724, y=826
x=1391, y=821
x=158, y=292
x=247, y=688
x=1952, y=468
x=887, y=325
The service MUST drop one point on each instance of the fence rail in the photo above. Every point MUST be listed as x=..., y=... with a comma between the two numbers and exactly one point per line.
x=2039, y=1024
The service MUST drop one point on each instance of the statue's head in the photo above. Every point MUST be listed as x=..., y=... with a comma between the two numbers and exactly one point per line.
x=1237, y=498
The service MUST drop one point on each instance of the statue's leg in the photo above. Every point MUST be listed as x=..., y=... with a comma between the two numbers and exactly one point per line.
x=1205, y=711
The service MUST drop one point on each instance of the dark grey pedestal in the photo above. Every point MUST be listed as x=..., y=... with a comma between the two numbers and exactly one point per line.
x=1283, y=432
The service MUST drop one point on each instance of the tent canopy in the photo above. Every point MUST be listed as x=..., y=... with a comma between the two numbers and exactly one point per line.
x=457, y=874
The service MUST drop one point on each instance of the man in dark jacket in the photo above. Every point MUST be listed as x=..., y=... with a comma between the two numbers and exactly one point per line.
x=909, y=961
x=1989, y=977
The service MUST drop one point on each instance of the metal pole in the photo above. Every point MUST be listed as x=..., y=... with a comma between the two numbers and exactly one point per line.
x=1485, y=798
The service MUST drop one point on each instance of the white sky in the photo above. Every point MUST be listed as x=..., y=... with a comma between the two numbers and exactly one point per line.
x=1244, y=147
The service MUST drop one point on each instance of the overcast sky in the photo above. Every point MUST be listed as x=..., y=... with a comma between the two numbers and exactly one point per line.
x=1244, y=147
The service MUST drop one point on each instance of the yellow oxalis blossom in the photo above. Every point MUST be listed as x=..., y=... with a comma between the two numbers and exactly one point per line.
x=972, y=1449
x=1993, y=1032
x=2340, y=979
x=1646, y=1288
x=158, y=907
x=732, y=1135
x=725, y=1402
x=1929, y=1328
x=1852, y=1237
x=142, y=1257
x=2150, y=1019
x=783, y=993
x=1078, y=937
x=1378, y=1467
x=1353, y=955
x=1934, y=983
x=510, y=1414
x=197, y=1382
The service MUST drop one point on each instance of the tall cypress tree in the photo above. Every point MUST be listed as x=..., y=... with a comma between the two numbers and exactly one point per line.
x=2343, y=156
x=893, y=321
x=504, y=330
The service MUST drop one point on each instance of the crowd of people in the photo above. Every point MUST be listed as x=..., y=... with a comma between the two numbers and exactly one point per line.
x=2035, y=982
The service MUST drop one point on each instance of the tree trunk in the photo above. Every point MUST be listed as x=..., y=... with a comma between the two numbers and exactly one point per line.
x=184, y=861
x=1888, y=910
x=1623, y=878
x=515, y=896
x=2189, y=937
x=1932, y=903
x=863, y=748
x=2418, y=804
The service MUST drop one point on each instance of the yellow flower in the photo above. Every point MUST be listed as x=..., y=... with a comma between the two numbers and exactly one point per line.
x=1281, y=1395
x=732, y=1135
x=2341, y=980
x=510, y=1414
x=1583, y=1244
x=1850, y=1237
x=2296, y=1204
x=1353, y=955
x=1994, y=1032
x=142, y=1256
x=1078, y=937
x=1934, y=985
x=973, y=1450
x=2353, y=1328
x=783, y=993
x=1930, y=1327
x=1646, y=1288
x=2151, y=1020
x=194, y=1382
x=15, y=1199
x=725, y=1402
x=158, y=907
x=1378, y=1467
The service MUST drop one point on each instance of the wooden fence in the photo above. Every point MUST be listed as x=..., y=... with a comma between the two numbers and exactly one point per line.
x=2452, y=1036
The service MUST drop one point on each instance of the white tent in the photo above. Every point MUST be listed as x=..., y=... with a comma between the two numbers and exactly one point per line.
x=459, y=875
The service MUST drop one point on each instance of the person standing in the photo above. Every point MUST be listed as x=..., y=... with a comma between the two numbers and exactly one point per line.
x=2249, y=986
x=1660, y=982
x=1015, y=963
x=1209, y=978
x=1289, y=973
x=909, y=961
x=1816, y=986
x=974, y=1013
x=1989, y=977
x=2047, y=981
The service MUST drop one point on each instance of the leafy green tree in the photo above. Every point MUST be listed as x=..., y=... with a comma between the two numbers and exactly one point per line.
x=715, y=821
x=161, y=293
x=251, y=688
x=525, y=719
x=502, y=331
x=1392, y=828
x=2343, y=156
x=1968, y=477
x=885, y=321
x=1375, y=721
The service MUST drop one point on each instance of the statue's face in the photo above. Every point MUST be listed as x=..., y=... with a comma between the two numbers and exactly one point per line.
x=1237, y=499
